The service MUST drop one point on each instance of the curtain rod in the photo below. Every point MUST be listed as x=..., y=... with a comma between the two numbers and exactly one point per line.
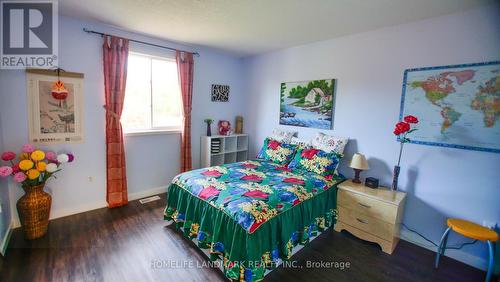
x=141, y=42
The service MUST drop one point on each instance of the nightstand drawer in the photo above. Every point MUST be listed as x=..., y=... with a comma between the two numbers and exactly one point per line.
x=366, y=223
x=368, y=206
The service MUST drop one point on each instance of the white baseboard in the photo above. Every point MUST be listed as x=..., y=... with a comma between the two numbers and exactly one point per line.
x=97, y=205
x=6, y=239
x=459, y=255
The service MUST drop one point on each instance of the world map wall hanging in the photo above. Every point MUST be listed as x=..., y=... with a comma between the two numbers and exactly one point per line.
x=458, y=106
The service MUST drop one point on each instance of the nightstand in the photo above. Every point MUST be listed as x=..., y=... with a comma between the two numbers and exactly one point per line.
x=373, y=215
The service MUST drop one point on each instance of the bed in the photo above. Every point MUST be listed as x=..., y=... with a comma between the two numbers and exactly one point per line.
x=252, y=215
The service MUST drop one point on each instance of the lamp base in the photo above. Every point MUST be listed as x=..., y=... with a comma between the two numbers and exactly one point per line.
x=356, y=176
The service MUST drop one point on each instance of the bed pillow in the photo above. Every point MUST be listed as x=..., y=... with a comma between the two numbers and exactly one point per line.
x=315, y=160
x=329, y=143
x=277, y=152
x=283, y=136
x=303, y=143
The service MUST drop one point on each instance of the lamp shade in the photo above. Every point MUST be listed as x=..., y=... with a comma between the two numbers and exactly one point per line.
x=359, y=162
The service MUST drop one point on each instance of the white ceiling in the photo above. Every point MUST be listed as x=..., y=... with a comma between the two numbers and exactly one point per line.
x=249, y=27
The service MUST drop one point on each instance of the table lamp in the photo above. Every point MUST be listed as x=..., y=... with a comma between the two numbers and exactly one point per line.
x=358, y=163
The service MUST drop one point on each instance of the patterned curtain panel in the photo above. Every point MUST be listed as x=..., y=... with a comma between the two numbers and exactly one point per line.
x=185, y=66
x=115, y=55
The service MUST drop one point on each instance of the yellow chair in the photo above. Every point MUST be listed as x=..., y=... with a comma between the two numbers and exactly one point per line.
x=470, y=230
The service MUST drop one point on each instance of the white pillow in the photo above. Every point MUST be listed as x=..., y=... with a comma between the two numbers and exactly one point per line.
x=282, y=136
x=305, y=143
x=329, y=143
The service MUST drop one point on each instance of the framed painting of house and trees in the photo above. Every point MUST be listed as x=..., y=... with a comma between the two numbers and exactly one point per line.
x=308, y=103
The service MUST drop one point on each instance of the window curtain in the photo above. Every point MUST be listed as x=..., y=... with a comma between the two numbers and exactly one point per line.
x=115, y=55
x=185, y=66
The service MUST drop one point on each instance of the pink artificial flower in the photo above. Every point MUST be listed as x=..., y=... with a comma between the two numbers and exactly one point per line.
x=71, y=158
x=54, y=162
x=51, y=156
x=5, y=171
x=8, y=156
x=28, y=148
x=19, y=177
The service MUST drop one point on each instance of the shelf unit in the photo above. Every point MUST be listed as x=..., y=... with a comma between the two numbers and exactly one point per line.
x=221, y=149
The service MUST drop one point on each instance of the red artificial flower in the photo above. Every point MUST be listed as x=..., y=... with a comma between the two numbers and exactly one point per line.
x=8, y=156
x=309, y=153
x=411, y=119
x=296, y=202
x=273, y=144
x=403, y=127
x=396, y=131
x=15, y=168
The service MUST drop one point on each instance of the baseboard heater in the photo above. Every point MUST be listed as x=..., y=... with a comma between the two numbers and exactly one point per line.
x=149, y=199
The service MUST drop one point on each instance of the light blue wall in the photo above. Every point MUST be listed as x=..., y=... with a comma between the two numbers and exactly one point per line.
x=369, y=67
x=152, y=160
x=5, y=215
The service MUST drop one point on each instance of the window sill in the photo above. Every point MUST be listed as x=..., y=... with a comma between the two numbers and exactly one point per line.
x=152, y=132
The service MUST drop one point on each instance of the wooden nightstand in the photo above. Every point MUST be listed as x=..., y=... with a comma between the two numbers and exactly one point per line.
x=370, y=214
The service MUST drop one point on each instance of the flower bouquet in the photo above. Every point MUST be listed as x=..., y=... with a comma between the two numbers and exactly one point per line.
x=403, y=128
x=32, y=170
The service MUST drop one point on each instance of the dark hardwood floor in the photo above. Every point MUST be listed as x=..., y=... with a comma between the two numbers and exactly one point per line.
x=133, y=243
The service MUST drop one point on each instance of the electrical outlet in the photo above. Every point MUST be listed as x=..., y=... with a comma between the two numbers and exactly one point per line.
x=489, y=224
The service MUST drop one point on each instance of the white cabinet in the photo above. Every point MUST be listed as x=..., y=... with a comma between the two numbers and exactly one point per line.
x=220, y=149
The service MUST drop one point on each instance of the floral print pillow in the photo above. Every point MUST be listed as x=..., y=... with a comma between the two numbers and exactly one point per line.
x=277, y=152
x=329, y=143
x=283, y=135
x=315, y=160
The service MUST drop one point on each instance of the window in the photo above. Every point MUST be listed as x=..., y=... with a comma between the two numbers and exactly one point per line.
x=152, y=95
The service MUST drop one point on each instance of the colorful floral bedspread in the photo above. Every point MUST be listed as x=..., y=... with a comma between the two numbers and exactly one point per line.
x=251, y=214
x=253, y=192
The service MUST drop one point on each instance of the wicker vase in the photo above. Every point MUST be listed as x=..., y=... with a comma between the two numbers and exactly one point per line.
x=34, y=209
